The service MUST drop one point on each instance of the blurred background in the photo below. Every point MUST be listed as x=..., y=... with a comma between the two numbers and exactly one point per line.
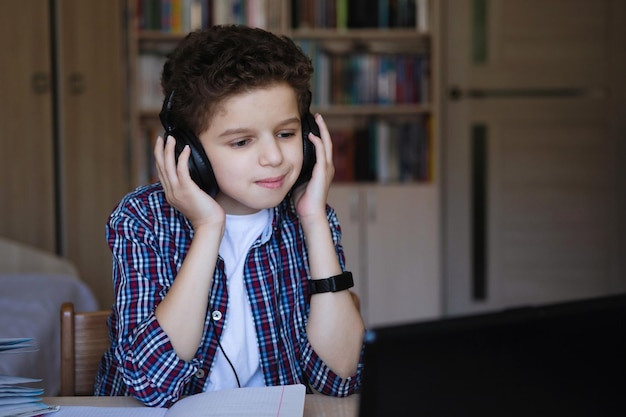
x=480, y=145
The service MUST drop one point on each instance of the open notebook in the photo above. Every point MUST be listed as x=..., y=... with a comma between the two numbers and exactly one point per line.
x=564, y=359
x=278, y=401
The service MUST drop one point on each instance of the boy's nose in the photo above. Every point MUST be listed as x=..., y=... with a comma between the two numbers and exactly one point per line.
x=271, y=153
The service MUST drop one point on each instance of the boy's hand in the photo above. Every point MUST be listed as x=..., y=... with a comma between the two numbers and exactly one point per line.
x=181, y=191
x=310, y=198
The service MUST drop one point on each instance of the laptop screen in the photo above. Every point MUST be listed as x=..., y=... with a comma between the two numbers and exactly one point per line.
x=563, y=359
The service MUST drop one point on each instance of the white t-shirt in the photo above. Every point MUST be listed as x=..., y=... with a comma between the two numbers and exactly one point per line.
x=239, y=339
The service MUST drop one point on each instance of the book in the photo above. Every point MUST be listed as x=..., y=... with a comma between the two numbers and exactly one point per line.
x=343, y=155
x=277, y=401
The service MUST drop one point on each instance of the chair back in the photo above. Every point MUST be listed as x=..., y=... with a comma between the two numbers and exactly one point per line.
x=84, y=339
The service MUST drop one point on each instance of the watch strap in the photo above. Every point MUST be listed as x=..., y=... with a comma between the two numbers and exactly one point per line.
x=335, y=283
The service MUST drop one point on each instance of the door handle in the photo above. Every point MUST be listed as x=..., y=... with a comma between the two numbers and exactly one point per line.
x=76, y=83
x=40, y=83
x=456, y=93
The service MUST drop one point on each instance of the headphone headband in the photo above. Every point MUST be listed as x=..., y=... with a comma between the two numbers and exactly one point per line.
x=166, y=111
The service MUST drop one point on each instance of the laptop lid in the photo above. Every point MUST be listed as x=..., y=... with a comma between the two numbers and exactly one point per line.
x=563, y=359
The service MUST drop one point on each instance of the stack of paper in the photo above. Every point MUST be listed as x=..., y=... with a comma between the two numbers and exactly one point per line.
x=17, y=345
x=17, y=400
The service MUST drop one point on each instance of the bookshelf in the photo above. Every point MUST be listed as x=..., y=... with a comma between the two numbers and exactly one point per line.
x=372, y=82
x=375, y=64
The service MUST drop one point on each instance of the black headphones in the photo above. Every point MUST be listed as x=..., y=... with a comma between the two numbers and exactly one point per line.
x=199, y=165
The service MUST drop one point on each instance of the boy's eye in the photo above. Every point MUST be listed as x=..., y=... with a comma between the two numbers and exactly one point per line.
x=286, y=134
x=240, y=143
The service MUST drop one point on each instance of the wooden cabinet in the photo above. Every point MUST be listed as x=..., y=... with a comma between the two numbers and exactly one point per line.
x=27, y=169
x=92, y=115
x=391, y=238
x=535, y=188
x=64, y=141
x=383, y=118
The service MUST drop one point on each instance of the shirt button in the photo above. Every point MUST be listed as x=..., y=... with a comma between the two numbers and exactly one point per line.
x=216, y=315
x=200, y=373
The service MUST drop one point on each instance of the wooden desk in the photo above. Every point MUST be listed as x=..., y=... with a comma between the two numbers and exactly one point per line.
x=315, y=405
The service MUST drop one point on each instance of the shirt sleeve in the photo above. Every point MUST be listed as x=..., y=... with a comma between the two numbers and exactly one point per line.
x=320, y=376
x=143, y=270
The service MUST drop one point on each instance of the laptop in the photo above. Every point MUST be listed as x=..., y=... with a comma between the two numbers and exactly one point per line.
x=562, y=359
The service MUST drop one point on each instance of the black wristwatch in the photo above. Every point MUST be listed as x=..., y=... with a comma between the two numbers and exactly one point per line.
x=336, y=283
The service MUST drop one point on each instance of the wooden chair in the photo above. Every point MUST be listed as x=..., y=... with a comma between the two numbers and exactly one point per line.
x=84, y=339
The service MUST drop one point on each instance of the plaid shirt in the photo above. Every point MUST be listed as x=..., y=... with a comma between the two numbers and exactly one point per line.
x=149, y=240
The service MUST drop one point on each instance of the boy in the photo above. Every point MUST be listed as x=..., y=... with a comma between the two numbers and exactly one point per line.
x=229, y=272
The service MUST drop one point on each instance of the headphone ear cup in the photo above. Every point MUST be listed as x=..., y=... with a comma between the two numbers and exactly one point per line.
x=309, y=125
x=199, y=166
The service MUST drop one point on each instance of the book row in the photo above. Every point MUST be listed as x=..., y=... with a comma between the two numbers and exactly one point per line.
x=182, y=16
x=381, y=150
x=338, y=79
x=368, y=78
x=385, y=151
x=352, y=14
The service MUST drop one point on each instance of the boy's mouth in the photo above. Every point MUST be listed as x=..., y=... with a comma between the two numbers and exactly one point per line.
x=272, y=182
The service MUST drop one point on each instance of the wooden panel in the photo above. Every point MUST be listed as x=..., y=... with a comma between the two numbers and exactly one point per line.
x=555, y=187
x=403, y=253
x=346, y=200
x=550, y=188
x=551, y=213
x=94, y=141
x=394, y=232
x=546, y=43
x=26, y=149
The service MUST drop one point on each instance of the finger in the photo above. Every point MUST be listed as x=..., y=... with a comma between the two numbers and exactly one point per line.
x=158, y=151
x=325, y=136
x=169, y=161
x=182, y=167
x=318, y=144
x=324, y=167
x=159, y=158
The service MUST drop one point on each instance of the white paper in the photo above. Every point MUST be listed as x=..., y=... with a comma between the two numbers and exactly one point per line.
x=84, y=411
x=279, y=401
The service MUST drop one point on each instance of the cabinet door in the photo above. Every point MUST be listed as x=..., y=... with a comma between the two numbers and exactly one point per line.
x=345, y=199
x=27, y=212
x=391, y=240
x=402, y=253
x=93, y=138
x=535, y=184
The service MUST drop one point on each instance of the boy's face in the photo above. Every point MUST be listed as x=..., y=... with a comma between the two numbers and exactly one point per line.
x=254, y=144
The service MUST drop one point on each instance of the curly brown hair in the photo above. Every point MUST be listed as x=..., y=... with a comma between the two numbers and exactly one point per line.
x=211, y=65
